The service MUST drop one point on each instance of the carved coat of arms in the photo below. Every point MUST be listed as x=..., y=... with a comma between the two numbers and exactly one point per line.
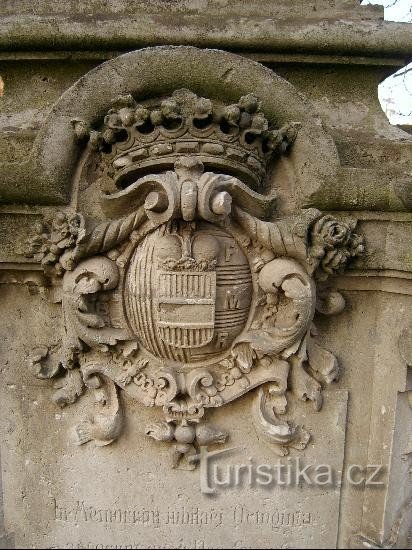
x=181, y=293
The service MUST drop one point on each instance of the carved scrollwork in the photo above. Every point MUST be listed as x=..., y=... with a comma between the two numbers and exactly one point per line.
x=105, y=425
x=43, y=362
x=69, y=388
x=201, y=388
x=289, y=306
x=83, y=323
x=282, y=434
x=184, y=296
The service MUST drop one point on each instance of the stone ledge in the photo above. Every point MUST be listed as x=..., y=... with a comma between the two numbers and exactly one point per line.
x=261, y=57
x=333, y=35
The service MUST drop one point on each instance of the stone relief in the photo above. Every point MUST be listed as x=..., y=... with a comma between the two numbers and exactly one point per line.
x=183, y=296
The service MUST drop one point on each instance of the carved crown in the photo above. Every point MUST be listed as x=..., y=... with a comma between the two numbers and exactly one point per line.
x=237, y=138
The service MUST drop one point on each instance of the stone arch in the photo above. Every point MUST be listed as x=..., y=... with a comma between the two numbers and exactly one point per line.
x=47, y=176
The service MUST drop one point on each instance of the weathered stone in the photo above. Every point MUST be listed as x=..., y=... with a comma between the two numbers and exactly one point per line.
x=201, y=254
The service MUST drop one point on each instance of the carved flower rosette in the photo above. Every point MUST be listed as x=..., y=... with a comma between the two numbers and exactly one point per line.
x=183, y=296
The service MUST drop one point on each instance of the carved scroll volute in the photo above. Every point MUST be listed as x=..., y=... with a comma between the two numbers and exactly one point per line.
x=289, y=309
x=83, y=323
x=281, y=433
x=287, y=276
x=157, y=194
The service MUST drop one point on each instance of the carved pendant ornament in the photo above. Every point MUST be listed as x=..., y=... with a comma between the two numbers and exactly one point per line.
x=181, y=295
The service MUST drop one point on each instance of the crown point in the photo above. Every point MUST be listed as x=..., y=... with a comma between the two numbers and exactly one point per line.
x=156, y=117
x=109, y=135
x=249, y=103
x=141, y=115
x=122, y=101
x=127, y=116
x=259, y=123
x=170, y=108
x=232, y=115
x=203, y=108
x=112, y=120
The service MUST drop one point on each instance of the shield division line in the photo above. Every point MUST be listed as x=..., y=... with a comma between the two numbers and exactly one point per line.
x=186, y=307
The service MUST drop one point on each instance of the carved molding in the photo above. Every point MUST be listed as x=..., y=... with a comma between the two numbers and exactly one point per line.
x=184, y=296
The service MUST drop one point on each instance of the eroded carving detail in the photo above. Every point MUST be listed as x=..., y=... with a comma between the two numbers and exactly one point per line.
x=184, y=297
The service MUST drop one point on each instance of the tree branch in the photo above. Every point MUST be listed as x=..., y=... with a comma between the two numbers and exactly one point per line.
x=403, y=73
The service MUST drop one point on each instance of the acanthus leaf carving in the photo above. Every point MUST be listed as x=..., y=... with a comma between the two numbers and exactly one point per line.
x=84, y=324
x=69, y=388
x=104, y=425
x=289, y=307
x=184, y=296
x=282, y=434
x=43, y=362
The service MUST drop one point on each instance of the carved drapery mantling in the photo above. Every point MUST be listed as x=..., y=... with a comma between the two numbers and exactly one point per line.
x=183, y=296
